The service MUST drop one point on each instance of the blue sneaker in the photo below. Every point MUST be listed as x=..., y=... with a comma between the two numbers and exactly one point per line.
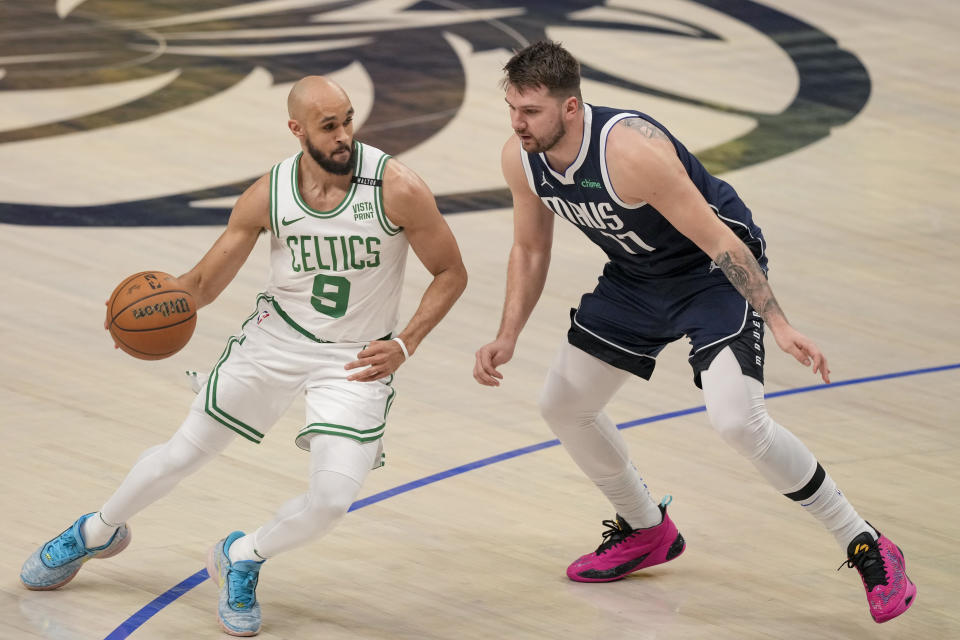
x=56, y=562
x=239, y=611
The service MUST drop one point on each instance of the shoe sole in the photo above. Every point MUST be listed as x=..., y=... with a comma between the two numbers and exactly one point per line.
x=214, y=573
x=230, y=632
x=120, y=547
x=679, y=544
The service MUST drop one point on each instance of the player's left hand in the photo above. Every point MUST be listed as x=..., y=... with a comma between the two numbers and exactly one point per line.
x=803, y=349
x=380, y=358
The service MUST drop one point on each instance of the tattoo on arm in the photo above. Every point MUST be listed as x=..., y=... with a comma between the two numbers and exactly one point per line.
x=644, y=128
x=745, y=274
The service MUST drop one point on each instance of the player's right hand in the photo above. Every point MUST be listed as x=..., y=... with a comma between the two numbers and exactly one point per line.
x=489, y=357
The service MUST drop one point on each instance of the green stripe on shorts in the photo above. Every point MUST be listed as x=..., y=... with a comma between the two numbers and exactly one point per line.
x=216, y=412
x=360, y=435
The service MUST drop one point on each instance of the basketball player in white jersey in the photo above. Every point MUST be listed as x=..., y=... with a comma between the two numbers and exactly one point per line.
x=685, y=259
x=340, y=215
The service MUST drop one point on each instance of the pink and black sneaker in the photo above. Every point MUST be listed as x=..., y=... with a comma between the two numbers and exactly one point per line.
x=625, y=550
x=883, y=571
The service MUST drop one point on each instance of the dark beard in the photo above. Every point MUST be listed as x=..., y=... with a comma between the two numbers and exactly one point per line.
x=542, y=146
x=327, y=163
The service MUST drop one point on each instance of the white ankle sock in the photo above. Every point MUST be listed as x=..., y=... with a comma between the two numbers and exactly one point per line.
x=96, y=532
x=245, y=549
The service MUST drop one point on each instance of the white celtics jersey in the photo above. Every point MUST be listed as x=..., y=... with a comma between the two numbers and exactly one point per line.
x=336, y=275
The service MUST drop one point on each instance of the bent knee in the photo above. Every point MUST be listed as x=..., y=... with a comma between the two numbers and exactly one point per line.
x=563, y=418
x=562, y=405
x=748, y=433
x=551, y=410
x=178, y=457
x=320, y=516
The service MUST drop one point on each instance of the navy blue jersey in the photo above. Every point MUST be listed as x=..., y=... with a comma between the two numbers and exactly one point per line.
x=639, y=241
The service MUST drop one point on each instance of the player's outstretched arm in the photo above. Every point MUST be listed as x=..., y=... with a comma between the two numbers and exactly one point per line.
x=250, y=216
x=409, y=203
x=526, y=269
x=644, y=166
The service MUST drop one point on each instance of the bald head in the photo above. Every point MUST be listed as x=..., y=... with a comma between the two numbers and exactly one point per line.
x=315, y=92
x=321, y=117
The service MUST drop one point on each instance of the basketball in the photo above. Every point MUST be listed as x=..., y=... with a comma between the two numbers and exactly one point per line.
x=150, y=317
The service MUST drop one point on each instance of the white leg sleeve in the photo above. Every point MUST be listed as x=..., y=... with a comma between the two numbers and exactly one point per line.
x=577, y=388
x=333, y=488
x=160, y=468
x=737, y=410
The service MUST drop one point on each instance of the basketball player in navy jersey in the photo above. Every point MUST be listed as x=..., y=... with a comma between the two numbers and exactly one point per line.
x=685, y=259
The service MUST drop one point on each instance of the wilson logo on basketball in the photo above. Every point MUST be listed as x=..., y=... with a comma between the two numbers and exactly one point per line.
x=166, y=308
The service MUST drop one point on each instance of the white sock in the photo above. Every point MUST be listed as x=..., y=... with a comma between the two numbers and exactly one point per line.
x=95, y=532
x=828, y=505
x=245, y=549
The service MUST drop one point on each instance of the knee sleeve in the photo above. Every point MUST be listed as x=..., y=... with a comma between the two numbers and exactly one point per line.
x=738, y=412
x=736, y=407
x=161, y=468
x=309, y=515
x=577, y=388
x=330, y=497
x=560, y=409
x=199, y=440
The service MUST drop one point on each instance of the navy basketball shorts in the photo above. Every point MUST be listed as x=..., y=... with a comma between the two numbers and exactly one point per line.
x=626, y=321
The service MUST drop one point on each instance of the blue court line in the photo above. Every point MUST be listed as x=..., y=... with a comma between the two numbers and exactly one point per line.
x=135, y=621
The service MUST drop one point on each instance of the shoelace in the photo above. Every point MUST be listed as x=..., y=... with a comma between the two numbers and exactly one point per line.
x=870, y=565
x=242, y=585
x=613, y=535
x=66, y=548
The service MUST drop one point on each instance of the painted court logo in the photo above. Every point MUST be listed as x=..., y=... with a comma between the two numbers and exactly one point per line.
x=119, y=75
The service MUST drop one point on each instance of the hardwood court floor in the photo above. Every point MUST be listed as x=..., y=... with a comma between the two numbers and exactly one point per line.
x=862, y=237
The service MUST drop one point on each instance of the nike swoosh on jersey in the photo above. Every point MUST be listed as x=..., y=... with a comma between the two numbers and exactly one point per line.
x=285, y=222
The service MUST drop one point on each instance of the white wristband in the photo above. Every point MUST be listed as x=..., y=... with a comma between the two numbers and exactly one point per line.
x=403, y=347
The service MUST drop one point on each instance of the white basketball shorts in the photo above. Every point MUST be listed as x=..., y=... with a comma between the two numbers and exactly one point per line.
x=263, y=369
